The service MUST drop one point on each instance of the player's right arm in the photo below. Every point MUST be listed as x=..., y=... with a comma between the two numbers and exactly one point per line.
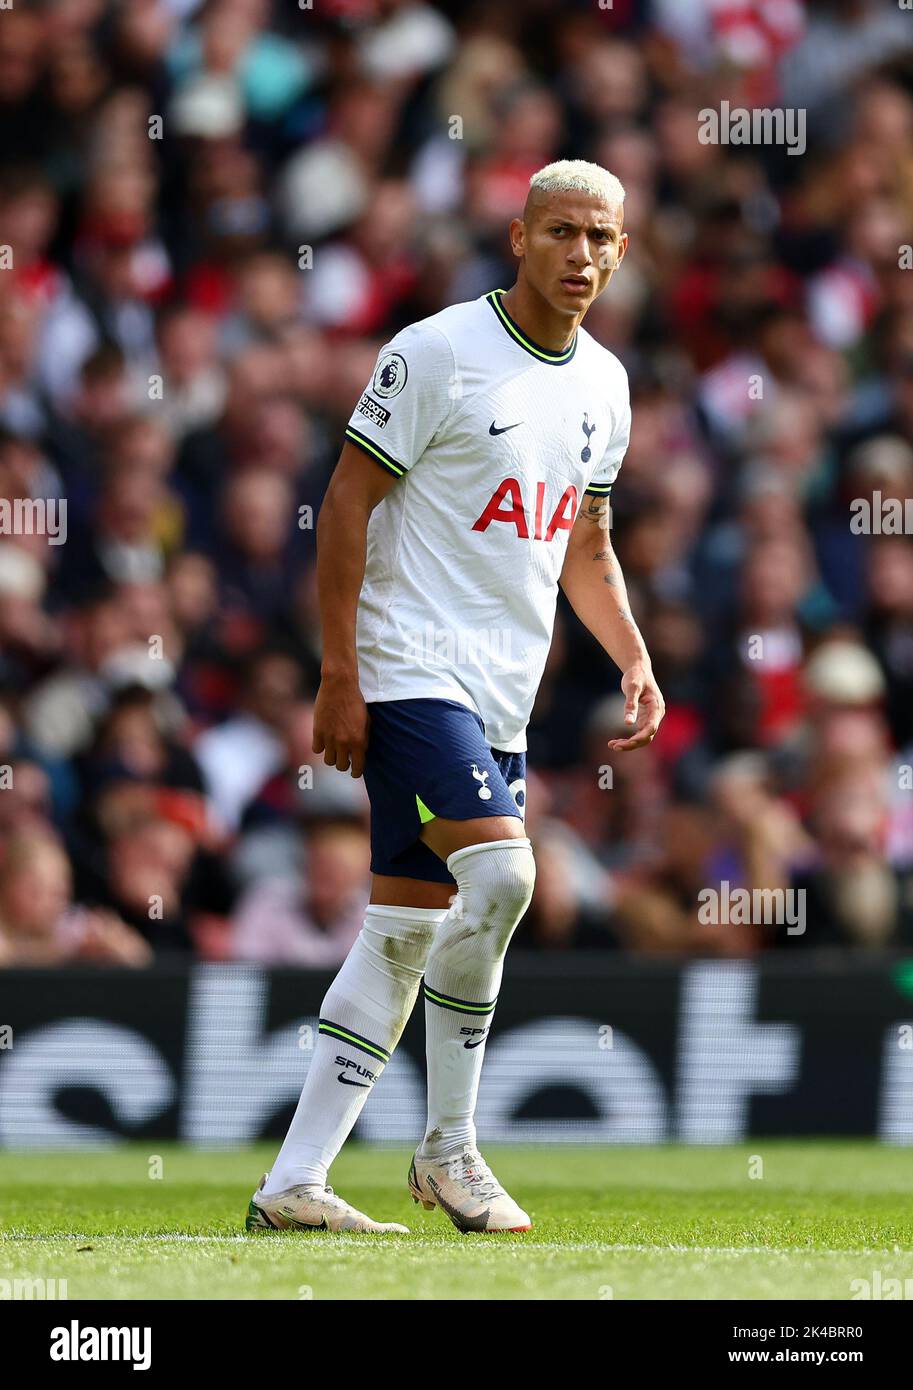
x=407, y=399
x=340, y=714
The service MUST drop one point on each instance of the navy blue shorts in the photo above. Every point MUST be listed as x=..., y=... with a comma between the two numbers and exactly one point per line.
x=429, y=758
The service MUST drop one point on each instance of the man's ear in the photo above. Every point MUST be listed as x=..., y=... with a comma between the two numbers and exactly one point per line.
x=622, y=248
x=517, y=232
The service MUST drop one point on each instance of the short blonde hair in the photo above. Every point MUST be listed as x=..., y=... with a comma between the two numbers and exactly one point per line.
x=569, y=175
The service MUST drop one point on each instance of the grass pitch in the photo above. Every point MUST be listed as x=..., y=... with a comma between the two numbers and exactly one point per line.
x=621, y=1223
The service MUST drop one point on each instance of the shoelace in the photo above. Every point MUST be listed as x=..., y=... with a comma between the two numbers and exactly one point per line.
x=477, y=1173
x=324, y=1192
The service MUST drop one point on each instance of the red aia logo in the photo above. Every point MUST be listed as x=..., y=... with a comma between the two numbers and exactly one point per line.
x=515, y=514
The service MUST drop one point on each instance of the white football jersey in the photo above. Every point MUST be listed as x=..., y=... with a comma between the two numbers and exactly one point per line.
x=495, y=440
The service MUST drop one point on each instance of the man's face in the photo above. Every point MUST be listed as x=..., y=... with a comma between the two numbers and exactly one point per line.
x=571, y=245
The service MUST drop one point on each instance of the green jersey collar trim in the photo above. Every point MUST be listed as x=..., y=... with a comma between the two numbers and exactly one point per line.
x=555, y=359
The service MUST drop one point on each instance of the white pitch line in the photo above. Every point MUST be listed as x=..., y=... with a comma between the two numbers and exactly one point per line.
x=556, y=1247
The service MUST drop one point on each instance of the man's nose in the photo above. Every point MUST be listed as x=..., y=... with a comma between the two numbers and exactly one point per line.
x=579, y=250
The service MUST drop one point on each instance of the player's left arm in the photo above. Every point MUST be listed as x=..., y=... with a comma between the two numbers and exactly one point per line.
x=595, y=587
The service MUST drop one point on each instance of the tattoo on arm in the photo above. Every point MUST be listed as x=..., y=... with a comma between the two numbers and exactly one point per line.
x=597, y=510
x=608, y=555
x=612, y=577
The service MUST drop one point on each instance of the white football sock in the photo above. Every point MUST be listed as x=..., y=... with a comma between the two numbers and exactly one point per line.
x=462, y=978
x=361, y=1019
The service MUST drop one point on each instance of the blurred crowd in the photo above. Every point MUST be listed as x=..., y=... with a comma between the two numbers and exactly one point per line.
x=212, y=214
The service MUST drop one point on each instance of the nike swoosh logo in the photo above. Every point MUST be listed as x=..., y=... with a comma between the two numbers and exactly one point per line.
x=305, y=1225
x=346, y=1082
x=464, y=1223
x=492, y=429
x=475, y=1044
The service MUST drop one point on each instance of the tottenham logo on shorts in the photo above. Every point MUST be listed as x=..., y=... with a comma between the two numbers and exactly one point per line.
x=390, y=377
x=484, y=792
x=586, y=453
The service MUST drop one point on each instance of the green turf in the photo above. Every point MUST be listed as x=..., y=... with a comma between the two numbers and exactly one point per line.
x=623, y=1223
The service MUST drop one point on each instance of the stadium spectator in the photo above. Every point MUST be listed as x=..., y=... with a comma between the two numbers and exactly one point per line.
x=238, y=755
x=314, y=920
x=40, y=924
x=213, y=214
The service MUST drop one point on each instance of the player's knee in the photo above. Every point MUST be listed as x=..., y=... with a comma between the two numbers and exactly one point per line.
x=519, y=882
x=496, y=881
x=519, y=879
x=398, y=948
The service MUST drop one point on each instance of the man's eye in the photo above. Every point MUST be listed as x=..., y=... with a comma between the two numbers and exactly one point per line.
x=557, y=229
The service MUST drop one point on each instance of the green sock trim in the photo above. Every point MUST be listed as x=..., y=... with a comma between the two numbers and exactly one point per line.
x=461, y=1006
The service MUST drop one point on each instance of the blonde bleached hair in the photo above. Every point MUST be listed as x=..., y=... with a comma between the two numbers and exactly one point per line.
x=578, y=175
